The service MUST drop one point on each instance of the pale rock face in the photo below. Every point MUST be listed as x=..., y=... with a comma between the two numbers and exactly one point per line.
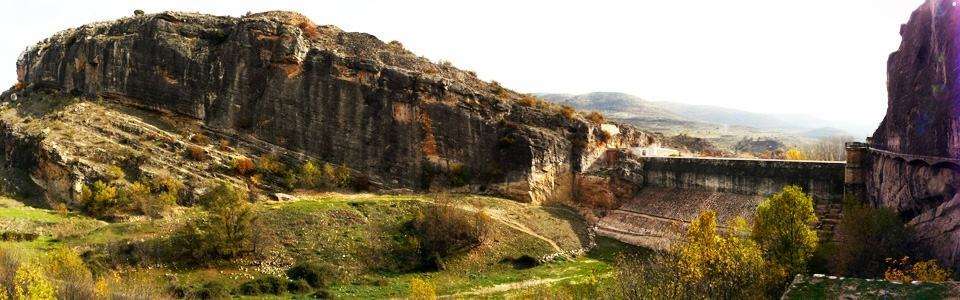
x=342, y=97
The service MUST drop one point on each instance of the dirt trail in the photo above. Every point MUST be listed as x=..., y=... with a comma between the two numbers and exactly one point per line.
x=497, y=215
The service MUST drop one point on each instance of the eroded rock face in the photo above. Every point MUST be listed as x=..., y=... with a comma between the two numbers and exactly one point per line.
x=342, y=97
x=923, y=119
x=923, y=112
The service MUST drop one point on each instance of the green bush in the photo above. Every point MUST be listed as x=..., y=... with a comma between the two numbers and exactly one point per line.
x=868, y=235
x=783, y=227
x=227, y=229
x=299, y=287
x=101, y=200
x=268, y=284
x=315, y=274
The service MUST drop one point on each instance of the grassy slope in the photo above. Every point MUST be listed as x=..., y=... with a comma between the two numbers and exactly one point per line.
x=357, y=233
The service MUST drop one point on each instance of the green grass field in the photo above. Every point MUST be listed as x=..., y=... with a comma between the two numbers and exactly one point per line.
x=359, y=234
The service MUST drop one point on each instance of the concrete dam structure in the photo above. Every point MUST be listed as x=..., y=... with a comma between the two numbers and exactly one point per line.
x=672, y=191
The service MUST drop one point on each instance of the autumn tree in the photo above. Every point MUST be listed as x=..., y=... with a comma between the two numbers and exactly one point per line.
x=783, y=227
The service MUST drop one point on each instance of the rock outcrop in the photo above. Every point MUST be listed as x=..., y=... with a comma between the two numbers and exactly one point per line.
x=923, y=120
x=342, y=97
x=923, y=112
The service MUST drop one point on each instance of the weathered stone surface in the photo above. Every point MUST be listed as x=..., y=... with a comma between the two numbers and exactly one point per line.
x=923, y=119
x=343, y=97
x=923, y=111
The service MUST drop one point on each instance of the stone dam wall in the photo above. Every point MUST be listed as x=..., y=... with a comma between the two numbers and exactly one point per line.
x=822, y=180
x=669, y=192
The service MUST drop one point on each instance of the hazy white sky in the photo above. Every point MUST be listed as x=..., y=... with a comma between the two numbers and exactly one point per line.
x=821, y=57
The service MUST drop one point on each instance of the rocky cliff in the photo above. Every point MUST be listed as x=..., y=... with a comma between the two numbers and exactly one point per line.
x=319, y=92
x=923, y=119
x=923, y=111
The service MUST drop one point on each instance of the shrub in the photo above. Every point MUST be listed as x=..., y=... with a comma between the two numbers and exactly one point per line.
x=196, y=153
x=868, y=236
x=101, y=200
x=605, y=136
x=442, y=230
x=243, y=166
x=264, y=285
x=704, y=264
x=269, y=164
x=528, y=100
x=903, y=271
x=299, y=286
x=596, y=118
x=567, y=111
x=226, y=231
x=795, y=154
x=73, y=278
x=29, y=282
x=783, y=229
x=315, y=274
x=114, y=173
x=199, y=139
x=422, y=290
x=224, y=145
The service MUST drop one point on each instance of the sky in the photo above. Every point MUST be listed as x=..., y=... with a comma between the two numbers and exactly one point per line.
x=825, y=58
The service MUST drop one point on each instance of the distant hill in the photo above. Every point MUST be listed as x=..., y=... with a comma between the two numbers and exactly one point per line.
x=626, y=106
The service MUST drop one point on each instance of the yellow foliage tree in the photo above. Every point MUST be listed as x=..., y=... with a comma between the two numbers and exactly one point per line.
x=725, y=266
x=795, y=154
x=422, y=290
x=29, y=282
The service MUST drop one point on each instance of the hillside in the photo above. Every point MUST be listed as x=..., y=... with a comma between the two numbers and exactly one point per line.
x=703, y=130
x=275, y=83
x=626, y=106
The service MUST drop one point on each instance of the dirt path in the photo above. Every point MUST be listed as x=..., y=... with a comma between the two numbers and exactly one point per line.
x=503, y=287
x=497, y=215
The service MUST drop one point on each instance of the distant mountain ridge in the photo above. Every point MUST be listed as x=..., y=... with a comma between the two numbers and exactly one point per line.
x=626, y=106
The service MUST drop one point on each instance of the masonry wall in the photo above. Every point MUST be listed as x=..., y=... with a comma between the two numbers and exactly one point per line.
x=822, y=180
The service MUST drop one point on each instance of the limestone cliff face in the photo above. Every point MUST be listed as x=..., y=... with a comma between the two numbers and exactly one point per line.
x=923, y=112
x=923, y=119
x=343, y=97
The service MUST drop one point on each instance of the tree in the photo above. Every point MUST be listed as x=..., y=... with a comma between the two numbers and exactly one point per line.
x=30, y=283
x=227, y=229
x=705, y=264
x=869, y=236
x=783, y=229
x=795, y=154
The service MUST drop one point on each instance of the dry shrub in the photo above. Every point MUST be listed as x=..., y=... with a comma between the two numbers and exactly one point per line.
x=197, y=153
x=199, y=139
x=269, y=164
x=595, y=118
x=567, y=111
x=902, y=270
x=605, y=136
x=442, y=230
x=224, y=145
x=528, y=100
x=243, y=166
x=309, y=29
